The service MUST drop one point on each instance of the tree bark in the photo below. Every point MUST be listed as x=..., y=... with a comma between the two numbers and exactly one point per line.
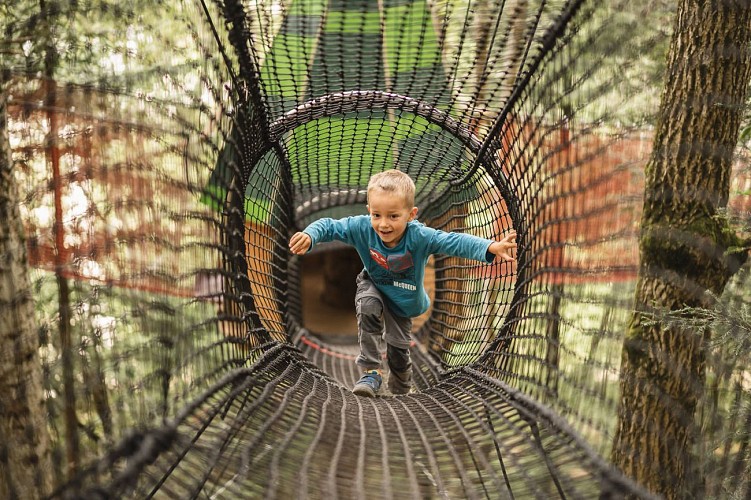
x=25, y=468
x=686, y=247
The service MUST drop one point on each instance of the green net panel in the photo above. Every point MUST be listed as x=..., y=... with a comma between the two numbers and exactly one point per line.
x=167, y=152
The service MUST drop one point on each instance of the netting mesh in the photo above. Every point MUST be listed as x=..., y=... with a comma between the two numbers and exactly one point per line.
x=162, y=168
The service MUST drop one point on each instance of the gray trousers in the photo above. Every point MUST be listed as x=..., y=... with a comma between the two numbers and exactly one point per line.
x=376, y=323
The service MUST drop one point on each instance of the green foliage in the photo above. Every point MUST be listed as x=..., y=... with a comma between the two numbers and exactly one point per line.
x=725, y=408
x=729, y=319
x=744, y=136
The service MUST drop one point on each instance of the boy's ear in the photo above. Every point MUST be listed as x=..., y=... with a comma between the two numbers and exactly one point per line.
x=413, y=213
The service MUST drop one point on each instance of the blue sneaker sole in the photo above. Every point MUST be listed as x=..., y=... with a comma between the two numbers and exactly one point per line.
x=363, y=390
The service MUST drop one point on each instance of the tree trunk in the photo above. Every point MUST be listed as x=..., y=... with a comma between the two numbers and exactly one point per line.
x=25, y=468
x=686, y=249
x=67, y=351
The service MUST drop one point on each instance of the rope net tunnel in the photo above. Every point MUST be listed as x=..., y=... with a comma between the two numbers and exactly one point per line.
x=187, y=354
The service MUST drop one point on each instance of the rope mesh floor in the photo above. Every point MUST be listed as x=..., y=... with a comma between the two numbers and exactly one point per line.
x=184, y=163
x=282, y=428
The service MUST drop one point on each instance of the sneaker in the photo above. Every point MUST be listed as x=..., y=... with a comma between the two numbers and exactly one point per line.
x=400, y=382
x=368, y=384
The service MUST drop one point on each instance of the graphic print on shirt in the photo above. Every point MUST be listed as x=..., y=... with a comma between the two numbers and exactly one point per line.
x=396, y=270
x=379, y=259
x=400, y=262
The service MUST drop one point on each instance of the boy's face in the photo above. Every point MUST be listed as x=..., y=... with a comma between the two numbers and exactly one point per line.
x=389, y=216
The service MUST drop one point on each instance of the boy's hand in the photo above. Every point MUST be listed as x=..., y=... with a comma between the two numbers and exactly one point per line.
x=299, y=243
x=502, y=249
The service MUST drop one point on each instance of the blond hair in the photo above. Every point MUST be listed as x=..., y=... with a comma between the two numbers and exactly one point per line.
x=396, y=182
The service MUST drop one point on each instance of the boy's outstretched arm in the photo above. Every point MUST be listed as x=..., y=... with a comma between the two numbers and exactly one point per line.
x=502, y=248
x=299, y=243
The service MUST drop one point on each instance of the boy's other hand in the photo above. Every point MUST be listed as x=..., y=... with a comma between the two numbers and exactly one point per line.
x=299, y=244
x=502, y=248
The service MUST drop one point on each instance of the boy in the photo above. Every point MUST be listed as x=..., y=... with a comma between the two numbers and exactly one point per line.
x=394, y=248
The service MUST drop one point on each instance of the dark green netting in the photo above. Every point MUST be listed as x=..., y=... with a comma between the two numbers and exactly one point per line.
x=162, y=167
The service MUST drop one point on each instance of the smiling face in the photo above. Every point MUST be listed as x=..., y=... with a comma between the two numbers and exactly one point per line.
x=389, y=215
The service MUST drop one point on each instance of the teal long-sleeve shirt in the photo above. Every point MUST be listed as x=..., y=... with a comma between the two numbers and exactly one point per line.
x=399, y=272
